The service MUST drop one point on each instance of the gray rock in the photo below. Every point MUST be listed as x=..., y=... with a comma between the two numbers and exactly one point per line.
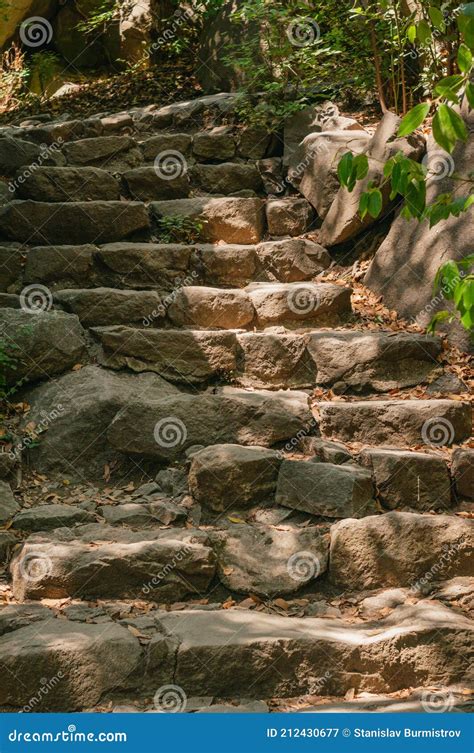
x=55, y=264
x=10, y=266
x=128, y=514
x=38, y=222
x=7, y=542
x=8, y=504
x=292, y=259
x=227, y=475
x=267, y=561
x=274, y=360
x=289, y=216
x=47, y=517
x=180, y=356
x=81, y=406
x=41, y=344
x=463, y=471
x=149, y=184
x=85, y=661
x=68, y=184
x=144, y=264
x=253, y=142
x=227, y=178
x=104, y=306
x=417, y=550
x=165, y=511
x=409, y=479
x=216, y=144
x=397, y=422
x=163, y=142
x=324, y=489
x=380, y=361
x=15, y=154
x=109, y=152
x=15, y=616
x=226, y=265
x=100, y=561
x=164, y=429
x=325, y=450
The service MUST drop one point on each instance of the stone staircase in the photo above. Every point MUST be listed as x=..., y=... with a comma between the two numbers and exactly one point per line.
x=255, y=505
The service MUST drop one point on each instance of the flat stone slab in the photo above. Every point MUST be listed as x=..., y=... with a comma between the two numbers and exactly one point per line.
x=104, y=306
x=226, y=475
x=153, y=265
x=39, y=222
x=233, y=220
x=109, y=152
x=376, y=360
x=147, y=184
x=299, y=305
x=99, y=561
x=80, y=662
x=197, y=306
x=56, y=264
x=42, y=343
x=268, y=561
x=400, y=549
x=164, y=429
x=180, y=356
x=397, y=422
x=46, y=517
x=325, y=489
x=407, y=479
x=226, y=653
x=69, y=184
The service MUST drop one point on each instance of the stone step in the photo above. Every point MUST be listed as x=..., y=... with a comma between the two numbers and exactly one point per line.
x=101, y=562
x=271, y=359
x=270, y=656
x=164, y=429
x=400, y=549
x=232, y=220
x=64, y=184
x=434, y=423
x=37, y=222
x=162, y=266
x=274, y=656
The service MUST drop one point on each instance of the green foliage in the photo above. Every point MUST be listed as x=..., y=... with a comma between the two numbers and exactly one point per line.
x=456, y=283
x=106, y=12
x=179, y=229
x=44, y=65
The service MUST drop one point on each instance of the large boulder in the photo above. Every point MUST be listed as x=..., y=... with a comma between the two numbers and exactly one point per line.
x=417, y=550
x=112, y=153
x=164, y=429
x=267, y=561
x=405, y=265
x=42, y=343
x=226, y=475
x=342, y=220
x=71, y=42
x=80, y=407
x=69, y=184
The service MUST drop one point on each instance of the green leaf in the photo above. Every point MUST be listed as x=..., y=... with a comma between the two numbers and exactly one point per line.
x=344, y=168
x=374, y=205
x=436, y=18
x=448, y=127
x=423, y=31
x=440, y=316
x=411, y=33
x=449, y=84
x=361, y=164
x=413, y=118
x=470, y=93
x=467, y=320
x=464, y=58
x=468, y=294
x=466, y=27
x=363, y=204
